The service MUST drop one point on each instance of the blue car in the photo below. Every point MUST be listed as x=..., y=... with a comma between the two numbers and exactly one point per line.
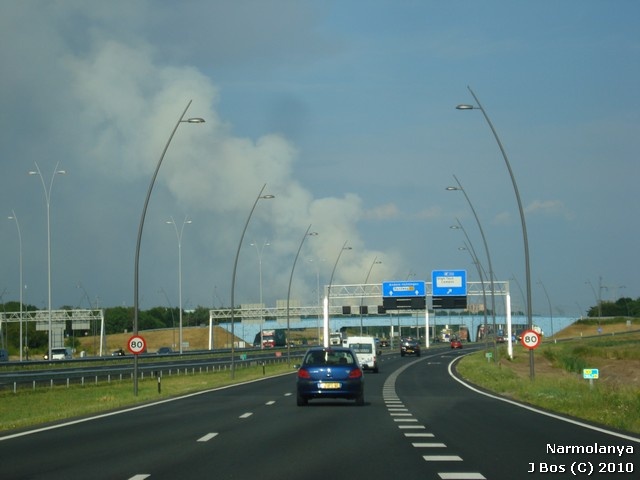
x=331, y=372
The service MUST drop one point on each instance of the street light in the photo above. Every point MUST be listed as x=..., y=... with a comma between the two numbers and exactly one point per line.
x=136, y=276
x=259, y=252
x=179, y=237
x=326, y=299
x=47, y=198
x=525, y=238
x=14, y=217
x=486, y=249
x=375, y=262
x=549, y=302
x=475, y=259
x=307, y=233
x=233, y=278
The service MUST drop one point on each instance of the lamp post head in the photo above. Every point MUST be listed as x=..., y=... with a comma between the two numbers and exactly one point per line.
x=313, y=234
x=455, y=227
x=451, y=189
x=194, y=120
x=465, y=106
x=268, y=197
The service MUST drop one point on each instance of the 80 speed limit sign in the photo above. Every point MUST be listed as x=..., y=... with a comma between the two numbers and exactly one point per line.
x=136, y=345
x=530, y=339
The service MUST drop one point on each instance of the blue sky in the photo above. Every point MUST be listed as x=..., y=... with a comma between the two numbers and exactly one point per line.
x=346, y=110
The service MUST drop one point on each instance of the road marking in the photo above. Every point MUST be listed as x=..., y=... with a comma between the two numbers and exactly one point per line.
x=207, y=437
x=246, y=415
x=288, y=394
x=271, y=402
x=419, y=427
x=461, y=476
x=429, y=445
x=405, y=420
x=413, y=435
x=442, y=458
x=140, y=476
x=398, y=414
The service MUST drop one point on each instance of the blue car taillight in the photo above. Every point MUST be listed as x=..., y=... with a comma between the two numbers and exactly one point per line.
x=355, y=373
x=302, y=373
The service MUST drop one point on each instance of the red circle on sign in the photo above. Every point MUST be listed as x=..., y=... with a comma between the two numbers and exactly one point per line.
x=530, y=339
x=137, y=345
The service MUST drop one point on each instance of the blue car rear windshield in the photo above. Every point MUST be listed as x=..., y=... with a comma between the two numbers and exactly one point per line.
x=329, y=358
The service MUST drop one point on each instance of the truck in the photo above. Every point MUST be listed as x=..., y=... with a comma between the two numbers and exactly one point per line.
x=271, y=338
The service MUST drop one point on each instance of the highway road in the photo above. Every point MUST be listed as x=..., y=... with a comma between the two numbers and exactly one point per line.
x=418, y=422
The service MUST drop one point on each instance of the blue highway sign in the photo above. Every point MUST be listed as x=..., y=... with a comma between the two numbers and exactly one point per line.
x=449, y=283
x=403, y=289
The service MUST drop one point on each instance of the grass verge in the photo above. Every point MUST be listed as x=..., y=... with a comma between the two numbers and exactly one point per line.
x=559, y=386
x=28, y=408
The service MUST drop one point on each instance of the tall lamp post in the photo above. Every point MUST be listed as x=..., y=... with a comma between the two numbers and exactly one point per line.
x=233, y=278
x=525, y=238
x=546, y=294
x=307, y=233
x=259, y=252
x=326, y=299
x=475, y=259
x=136, y=276
x=47, y=198
x=486, y=249
x=375, y=262
x=186, y=221
x=14, y=217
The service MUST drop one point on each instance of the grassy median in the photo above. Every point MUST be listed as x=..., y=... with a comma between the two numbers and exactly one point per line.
x=28, y=408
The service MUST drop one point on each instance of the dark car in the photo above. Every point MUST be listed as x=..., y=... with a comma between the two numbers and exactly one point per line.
x=330, y=372
x=164, y=351
x=409, y=346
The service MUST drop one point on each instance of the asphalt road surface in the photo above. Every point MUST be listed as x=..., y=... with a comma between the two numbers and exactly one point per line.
x=418, y=422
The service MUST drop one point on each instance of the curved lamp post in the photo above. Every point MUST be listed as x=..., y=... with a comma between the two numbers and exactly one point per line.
x=546, y=294
x=233, y=278
x=525, y=238
x=136, y=277
x=179, y=237
x=326, y=299
x=14, y=217
x=259, y=252
x=47, y=198
x=375, y=262
x=475, y=259
x=486, y=249
x=307, y=233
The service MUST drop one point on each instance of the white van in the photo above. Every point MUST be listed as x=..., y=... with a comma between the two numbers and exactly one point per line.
x=365, y=349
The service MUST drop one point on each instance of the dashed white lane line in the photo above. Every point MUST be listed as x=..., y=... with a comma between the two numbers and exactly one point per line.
x=140, y=476
x=461, y=476
x=270, y=402
x=442, y=458
x=246, y=415
x=207, y=437
x=429, y=445
x=418, y=435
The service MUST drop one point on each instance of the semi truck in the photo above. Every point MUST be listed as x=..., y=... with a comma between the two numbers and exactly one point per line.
x=271, y=338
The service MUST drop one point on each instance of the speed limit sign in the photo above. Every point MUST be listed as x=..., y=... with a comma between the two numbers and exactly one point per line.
x=137, y=345
x=530, y=339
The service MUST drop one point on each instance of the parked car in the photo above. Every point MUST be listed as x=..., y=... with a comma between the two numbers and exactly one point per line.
x=409, y=346
x=331, y=372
